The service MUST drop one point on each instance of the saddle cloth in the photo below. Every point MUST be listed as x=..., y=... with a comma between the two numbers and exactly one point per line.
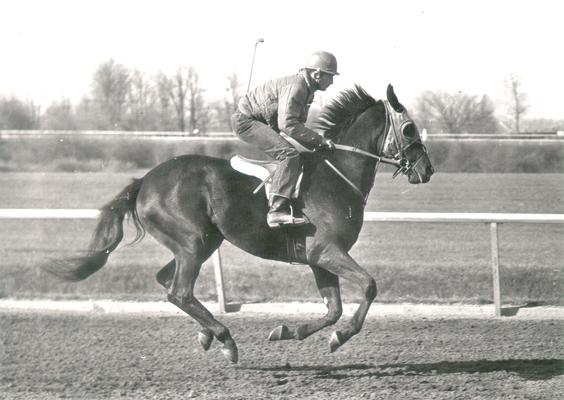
x=262, y=170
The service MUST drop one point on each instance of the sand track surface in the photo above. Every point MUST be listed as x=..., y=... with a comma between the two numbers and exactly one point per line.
x=101, y=356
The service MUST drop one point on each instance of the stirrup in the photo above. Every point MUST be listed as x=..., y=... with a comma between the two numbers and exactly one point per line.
x=284, y=219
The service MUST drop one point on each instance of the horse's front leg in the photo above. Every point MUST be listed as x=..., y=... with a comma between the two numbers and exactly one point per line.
x=340, y=263
x=328, y=285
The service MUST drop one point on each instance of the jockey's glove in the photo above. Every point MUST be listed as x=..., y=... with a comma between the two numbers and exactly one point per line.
x=326, y=144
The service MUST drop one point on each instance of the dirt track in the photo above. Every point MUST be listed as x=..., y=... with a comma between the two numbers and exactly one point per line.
x=97, y=356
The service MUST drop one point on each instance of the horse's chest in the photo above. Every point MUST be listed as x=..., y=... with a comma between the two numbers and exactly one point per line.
x=342, y=221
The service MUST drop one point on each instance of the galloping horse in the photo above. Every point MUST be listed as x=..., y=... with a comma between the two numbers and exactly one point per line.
x=190, y=204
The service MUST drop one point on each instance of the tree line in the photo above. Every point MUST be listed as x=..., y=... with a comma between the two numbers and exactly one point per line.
x=444, y=112
x=124, y=99
x=130, y=100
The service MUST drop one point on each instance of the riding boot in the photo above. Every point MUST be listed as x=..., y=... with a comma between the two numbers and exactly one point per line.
x=280, y=213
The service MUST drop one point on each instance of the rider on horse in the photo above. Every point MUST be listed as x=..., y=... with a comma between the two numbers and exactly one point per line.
x=282, y=105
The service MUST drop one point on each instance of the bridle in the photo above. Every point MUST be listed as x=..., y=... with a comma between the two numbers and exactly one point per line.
x=394, y=141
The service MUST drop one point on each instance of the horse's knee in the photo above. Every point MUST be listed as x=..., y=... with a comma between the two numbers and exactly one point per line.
x=370, y=289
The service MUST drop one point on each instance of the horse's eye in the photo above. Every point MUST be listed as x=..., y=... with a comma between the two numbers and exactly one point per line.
x=409, y=131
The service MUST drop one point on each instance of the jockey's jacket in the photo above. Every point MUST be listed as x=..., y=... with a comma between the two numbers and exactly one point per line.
x=283, y=104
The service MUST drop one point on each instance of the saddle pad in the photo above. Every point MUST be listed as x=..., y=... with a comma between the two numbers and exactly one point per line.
x=258, y=168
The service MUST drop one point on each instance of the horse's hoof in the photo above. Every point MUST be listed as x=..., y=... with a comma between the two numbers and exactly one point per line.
x=335, y=341
x=280, y=333
x=205, y=338
x=230, y=351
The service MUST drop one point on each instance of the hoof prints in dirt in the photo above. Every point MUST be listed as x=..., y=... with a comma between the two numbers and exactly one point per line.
x=104, y=356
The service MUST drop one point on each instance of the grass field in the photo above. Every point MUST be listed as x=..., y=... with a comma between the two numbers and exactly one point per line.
x=430, y=262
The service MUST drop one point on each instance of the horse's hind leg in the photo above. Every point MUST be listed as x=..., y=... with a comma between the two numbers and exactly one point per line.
x=181, y=294
x=328, y=285
x=165, y=275
x=196, y=310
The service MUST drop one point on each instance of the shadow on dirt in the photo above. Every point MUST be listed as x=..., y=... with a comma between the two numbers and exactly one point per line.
x=511, y=311
x=535, y=369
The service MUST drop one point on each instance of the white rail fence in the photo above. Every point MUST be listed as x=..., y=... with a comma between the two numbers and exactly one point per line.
x=493, y=219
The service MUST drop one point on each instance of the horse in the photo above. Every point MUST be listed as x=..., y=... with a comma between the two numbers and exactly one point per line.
x=191, y=203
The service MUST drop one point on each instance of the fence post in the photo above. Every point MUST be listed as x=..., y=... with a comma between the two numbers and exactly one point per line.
x=495, y=269
x=218, y=272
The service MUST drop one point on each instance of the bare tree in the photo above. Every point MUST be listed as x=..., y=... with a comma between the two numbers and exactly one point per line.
x=234, y=93
x=59, y=116
x=199, y=113
x=178, y=96
x=18, y=114
x=110, y=87
x=166, y=110
x=517, y=104
x=185, y=94
x=141, y=100
x=455, y=113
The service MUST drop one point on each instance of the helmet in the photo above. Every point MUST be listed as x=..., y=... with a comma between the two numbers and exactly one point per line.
x=323, y=61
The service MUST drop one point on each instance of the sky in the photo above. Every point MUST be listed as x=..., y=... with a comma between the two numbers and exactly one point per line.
x=50, y=49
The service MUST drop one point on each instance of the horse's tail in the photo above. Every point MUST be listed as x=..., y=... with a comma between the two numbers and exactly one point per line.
x=107, y=235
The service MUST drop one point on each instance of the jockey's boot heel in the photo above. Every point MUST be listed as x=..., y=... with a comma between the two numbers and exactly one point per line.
x=280, y=214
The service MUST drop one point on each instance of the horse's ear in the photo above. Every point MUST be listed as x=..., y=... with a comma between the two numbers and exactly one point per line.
x=393, y=99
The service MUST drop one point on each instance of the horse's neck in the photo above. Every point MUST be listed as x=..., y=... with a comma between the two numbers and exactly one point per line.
x=360, y=169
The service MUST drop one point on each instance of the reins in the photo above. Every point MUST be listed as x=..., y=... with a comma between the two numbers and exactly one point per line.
x=351, y=184
x=399, y=161
x=395, y=162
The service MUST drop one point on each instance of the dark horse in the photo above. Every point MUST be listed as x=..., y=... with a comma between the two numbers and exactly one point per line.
x=192, y=203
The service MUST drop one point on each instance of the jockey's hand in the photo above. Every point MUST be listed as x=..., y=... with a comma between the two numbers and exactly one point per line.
x=326, y=144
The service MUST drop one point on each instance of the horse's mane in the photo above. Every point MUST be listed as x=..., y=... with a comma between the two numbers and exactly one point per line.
x=342, y=110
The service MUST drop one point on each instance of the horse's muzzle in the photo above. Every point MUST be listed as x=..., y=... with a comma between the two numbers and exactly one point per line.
x=415, y=176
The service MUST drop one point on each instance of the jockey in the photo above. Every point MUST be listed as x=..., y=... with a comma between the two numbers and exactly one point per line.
x=282, y=105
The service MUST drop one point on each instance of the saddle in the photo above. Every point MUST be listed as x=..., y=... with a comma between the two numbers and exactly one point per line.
x=262, y=170
x=265, y=169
